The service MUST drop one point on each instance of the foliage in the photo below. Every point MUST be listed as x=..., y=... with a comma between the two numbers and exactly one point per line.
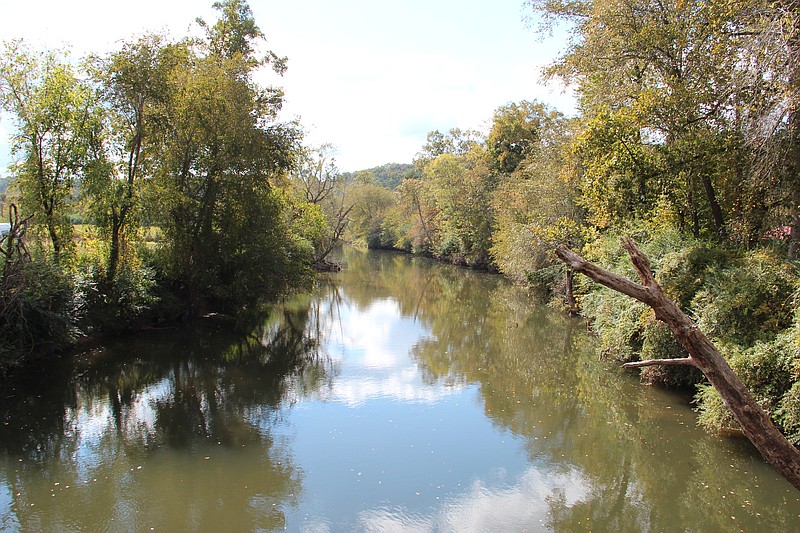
x=371, y=205
x=460, y=188
x=42, y=315
x=536, y=205
x=176, y=135
x=132, y=83
x=516, y=129
x=127, y=304
x=745, y=300
x=316, y=180
x=387, y=176
x=769, y=369
x=52, y=109
x=627, y=329
x=748, y=301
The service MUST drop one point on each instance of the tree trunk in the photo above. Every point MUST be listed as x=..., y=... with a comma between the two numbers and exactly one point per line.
x=569, y=295
x=754, y=421
x=713, y=203
x=113, y=254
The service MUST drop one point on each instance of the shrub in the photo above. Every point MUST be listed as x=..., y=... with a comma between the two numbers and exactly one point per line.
x=125, y=303
x=38, y=312
x=618, y=321
x=660, y=343
x=547, y=281
x=747, y=302
x=769, y=371
x=788, y=413
x=683, y=272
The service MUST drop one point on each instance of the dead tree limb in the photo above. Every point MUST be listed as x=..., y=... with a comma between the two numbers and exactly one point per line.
x=754, y=421
x=662, y=362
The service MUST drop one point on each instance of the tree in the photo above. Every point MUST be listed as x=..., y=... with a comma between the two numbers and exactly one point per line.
x=371, y=218
x=620, y=175
x=418, y=205
x=537, y=206
x=53, y=109
x=702, y=354
x=318, y=182
x=461, y=188
x=454, y=142
x=221, y=158
x=667, y=66
x=516, y=128
x=768, y=80
x=133, y=84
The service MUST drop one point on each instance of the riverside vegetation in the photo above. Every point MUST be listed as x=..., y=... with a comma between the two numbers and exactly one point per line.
x=687, y=138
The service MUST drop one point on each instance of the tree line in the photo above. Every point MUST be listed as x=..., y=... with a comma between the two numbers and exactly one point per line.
x=687, y=137
x=174, y=158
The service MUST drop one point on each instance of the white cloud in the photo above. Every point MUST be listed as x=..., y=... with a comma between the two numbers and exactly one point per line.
x=371, y=78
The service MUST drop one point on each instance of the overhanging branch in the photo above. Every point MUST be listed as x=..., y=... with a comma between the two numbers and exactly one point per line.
x=754, y=421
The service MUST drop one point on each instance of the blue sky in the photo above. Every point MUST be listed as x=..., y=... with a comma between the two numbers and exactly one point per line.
x=370, y=77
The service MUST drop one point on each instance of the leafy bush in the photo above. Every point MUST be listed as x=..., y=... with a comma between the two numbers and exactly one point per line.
x=748, y=301
x=788, y=413
x=627, y=329
x=683, y=272
x=546, y=281
x=106, y=306
x=38, y=312
x=618, y=321
x=450, y=247
x=770, y=372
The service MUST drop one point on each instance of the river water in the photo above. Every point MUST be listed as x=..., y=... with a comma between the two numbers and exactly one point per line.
x=401, y=395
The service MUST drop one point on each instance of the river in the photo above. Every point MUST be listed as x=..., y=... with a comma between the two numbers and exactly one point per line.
x=400, y=395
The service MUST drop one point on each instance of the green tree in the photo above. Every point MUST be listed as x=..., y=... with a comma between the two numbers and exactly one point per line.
x=454, y=142
x=371, y=218
x=516, y=128
x=418, y=206
x=133, y=85
x=228, y=228
x=536, y=206
x=461, y=188
x=667, y=67
x=52, y=108
x=318, y=182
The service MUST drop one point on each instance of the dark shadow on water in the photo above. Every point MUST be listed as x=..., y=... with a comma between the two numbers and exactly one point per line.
x=215, y=387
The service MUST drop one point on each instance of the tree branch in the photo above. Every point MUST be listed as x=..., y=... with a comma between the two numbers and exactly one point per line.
x=663, y=362
x=754, y=421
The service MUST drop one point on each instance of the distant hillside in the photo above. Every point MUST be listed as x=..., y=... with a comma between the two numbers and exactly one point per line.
x=389, y=175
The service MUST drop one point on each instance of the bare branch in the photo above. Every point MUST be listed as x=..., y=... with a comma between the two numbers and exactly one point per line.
x=754, y=421
x=683, y=361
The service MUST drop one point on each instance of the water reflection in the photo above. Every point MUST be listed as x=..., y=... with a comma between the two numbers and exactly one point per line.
x=170, y=431
x=370, y=343
x=402, y=395
x=482, y=507
x=607, y=454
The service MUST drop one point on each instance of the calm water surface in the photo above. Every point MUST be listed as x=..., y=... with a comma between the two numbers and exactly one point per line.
x=401, y=395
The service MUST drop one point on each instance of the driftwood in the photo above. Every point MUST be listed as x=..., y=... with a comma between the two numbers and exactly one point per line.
x=754, y=421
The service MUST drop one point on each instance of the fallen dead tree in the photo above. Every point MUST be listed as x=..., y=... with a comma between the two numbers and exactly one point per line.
x=754, y=421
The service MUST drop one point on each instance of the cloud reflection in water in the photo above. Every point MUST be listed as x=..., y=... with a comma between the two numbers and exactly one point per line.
x=376, y=341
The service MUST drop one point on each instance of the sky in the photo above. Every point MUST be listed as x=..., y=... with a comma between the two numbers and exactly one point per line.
x=371, y=77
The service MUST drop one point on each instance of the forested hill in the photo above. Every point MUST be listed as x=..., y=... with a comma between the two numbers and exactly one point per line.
x=388, y=176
